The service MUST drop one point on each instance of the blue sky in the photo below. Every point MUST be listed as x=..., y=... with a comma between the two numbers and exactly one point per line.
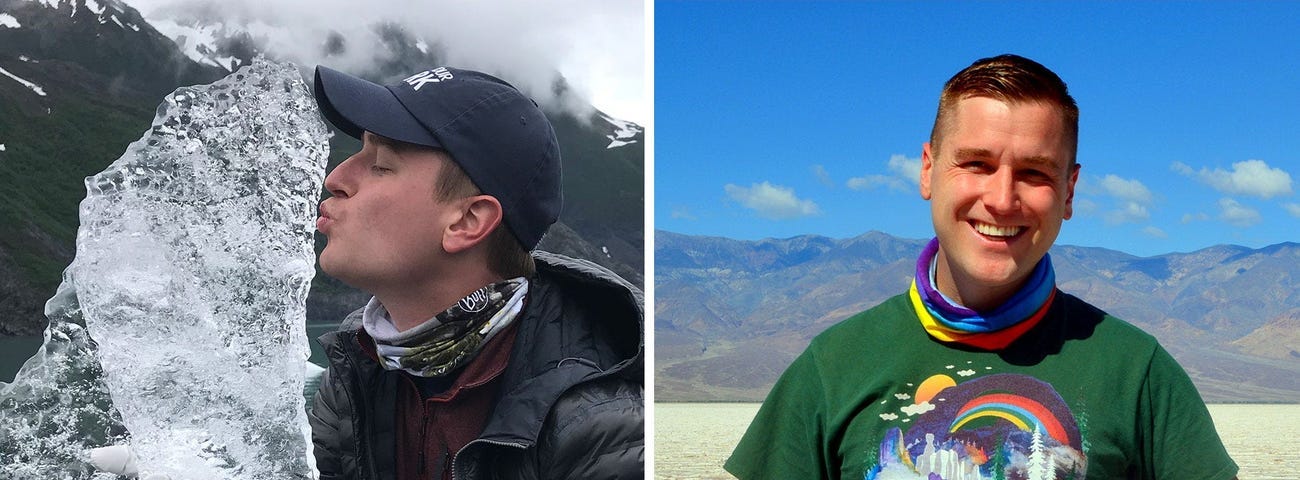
x=776, y=119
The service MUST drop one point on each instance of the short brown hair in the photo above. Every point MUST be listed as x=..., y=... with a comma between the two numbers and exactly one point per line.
x=506, y=256
x=1008, y=78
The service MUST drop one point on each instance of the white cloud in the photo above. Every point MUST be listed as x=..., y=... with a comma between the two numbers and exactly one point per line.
x=1125, y=189
x=871, y=182
x=1128, y=202
x=1128, y=212
x=902, y=396
x=1195, y=217
x=823, y=176
x=772, y=201
x=902, y=171
x=597, y=46
x=917, y=409
x=1154, y=232
x=966, y=373
x=682, y=213
x=889, y=416
x=1292, y=208
x=1250, y=177
x=908, y=168
x=1236, y=214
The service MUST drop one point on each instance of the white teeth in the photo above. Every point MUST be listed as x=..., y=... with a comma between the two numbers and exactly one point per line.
x=996, y=231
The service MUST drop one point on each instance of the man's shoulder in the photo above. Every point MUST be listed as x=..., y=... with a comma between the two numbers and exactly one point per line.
x=1078, y=313
x=571, y=270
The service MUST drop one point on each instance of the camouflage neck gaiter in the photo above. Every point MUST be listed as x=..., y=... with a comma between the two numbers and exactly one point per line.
x=449, y=340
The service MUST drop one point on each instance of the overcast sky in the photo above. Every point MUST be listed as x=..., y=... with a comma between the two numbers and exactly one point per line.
x=597, y=44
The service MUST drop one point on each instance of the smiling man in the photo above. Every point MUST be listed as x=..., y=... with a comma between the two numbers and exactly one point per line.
x=474, y=359
x=983, y=369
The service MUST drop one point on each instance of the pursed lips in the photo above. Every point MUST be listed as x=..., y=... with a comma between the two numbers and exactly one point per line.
x=325, y=220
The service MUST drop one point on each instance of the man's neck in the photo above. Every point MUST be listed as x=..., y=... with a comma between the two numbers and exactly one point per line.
x=970, y=293
x=409, y=307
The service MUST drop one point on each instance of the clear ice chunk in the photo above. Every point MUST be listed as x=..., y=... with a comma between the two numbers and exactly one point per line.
x=194, y=258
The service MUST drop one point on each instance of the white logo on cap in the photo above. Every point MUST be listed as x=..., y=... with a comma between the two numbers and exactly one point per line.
x=428, y=76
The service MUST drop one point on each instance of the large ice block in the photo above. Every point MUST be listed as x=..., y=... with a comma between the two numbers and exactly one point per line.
x=194, y=258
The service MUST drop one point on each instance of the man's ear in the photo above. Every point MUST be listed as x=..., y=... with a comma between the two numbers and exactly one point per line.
x=1069, y=190
x=480, y=215
x=927, y=169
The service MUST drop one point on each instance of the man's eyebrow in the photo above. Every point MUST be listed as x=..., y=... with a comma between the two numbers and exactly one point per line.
x=973, y=153
x=378, y=139
x=1042, y=161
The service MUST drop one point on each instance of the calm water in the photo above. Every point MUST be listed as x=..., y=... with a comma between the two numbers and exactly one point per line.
x=693, y=439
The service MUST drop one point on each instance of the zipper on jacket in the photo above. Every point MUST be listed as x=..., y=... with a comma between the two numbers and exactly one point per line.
x=424, y=438
x=456, y=457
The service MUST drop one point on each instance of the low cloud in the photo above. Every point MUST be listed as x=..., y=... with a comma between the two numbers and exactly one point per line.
x=1130, y=199
x=598, y=47
x=908, y=168
x=1293, y=209
x=903, y=170
x=1125, y=189
x=1195, y=217
x=772, y=201
x=1250, y=177
x=872, y=182
x=1236, y=214
x=1154, y=232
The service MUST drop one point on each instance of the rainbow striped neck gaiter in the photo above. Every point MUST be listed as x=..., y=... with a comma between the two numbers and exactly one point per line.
x=949, y=322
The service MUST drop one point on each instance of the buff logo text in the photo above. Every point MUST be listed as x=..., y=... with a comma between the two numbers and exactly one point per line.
x=428, y=76
x=476, y=301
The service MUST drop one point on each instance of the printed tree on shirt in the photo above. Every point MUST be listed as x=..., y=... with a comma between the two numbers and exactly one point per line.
x=1038, y=468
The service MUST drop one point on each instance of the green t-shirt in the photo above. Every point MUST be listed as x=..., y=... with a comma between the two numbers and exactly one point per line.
x=1081, y=395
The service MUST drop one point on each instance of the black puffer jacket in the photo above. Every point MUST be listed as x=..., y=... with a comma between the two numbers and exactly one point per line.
x=572, y=393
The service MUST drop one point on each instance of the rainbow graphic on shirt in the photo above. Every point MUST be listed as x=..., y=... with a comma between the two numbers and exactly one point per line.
x=997, y=427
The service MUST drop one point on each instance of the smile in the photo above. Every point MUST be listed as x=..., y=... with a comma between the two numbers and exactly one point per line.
x=997, y=231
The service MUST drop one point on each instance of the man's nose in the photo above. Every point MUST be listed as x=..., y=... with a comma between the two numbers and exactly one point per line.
x=1000, y=195
x=341, y=181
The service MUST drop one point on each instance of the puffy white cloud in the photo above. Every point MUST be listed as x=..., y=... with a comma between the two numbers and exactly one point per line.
x=772, y=201
x=902, y=396
x=908, y=168
x=1234, y=213
x=1126, y=200
x=889, y=416
x=1122, y=188
x=917, y=409
x=966, y=373
x=1249, y=177
x=903, y=170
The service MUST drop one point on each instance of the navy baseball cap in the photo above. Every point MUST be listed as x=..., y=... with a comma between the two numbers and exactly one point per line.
x=498, y=136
